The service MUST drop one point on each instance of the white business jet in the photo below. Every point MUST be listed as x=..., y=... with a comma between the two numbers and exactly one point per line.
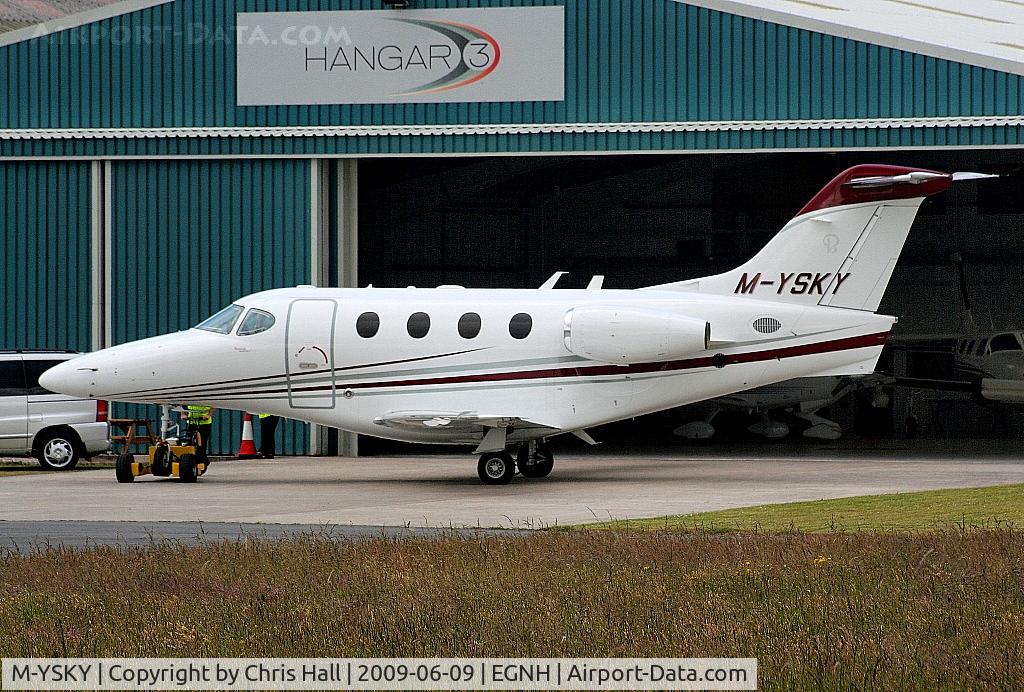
x=503, y=370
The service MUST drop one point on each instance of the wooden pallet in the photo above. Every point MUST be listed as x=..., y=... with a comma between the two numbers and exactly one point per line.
x=133, y=431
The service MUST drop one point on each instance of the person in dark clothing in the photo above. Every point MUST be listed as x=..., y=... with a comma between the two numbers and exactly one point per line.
x=200, y=419
x=268, y=431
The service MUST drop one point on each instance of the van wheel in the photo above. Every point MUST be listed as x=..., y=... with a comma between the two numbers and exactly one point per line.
x=58, y=452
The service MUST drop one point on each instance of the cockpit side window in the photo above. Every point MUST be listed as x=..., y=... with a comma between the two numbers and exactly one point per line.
x=255, y=321
x=223, y=321
x=1004, y=342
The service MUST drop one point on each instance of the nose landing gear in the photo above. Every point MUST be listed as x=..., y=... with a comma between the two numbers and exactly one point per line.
x=533, y=460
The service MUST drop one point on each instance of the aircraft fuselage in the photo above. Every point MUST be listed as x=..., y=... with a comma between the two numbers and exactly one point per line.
x=313, y=365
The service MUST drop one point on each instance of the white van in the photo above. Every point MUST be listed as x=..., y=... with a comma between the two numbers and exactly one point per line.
x=56, y=429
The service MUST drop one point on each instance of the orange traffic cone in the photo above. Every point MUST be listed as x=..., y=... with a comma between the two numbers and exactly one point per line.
x=247, y=450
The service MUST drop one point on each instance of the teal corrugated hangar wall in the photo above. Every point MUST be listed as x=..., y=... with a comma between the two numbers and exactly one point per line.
x=628, y=62
x=45, y=210
x=189, y=237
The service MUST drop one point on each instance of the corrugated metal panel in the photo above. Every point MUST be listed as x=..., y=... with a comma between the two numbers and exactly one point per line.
x=44, y=255
x=627, y=60
x=188, y=237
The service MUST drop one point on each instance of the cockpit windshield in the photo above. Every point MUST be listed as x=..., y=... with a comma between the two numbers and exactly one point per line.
x=256, y=321
x=1004, y=342
x=223, y=321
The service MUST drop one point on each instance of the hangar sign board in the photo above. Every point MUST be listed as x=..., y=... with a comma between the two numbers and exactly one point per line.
x=401, y=56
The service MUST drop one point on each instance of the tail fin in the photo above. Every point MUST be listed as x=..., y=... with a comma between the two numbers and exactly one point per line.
x=842, y=247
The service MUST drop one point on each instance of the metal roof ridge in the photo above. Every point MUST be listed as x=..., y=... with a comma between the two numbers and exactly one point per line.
x=77, y=19
x=820, y=25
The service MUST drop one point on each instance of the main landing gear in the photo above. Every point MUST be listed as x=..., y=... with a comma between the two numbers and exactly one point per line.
x=533, y=460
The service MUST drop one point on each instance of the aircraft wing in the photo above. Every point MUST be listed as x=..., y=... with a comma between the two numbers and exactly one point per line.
x=923, y=343
x=489, y=430
x=1003, y=391
x=448, y=421
x=943, y=385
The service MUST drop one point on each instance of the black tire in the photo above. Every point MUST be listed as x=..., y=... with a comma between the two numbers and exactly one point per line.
x=187, y=471
x=497, y=468
x=161, y=466
x=123, y=468
x=539, y=466
x=59, y=450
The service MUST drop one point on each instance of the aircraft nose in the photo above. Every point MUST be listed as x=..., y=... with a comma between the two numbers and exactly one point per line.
x=73, y=377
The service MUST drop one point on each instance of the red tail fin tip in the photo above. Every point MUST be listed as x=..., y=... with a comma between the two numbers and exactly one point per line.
x=877, y=183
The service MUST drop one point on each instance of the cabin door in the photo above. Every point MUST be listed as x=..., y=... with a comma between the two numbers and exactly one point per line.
x=309, y=353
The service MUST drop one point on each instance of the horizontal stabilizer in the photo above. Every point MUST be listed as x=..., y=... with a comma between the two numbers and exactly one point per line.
x=957, y=177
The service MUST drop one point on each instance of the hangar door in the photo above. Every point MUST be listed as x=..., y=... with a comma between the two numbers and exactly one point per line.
x=45, y=219
x=190, y=236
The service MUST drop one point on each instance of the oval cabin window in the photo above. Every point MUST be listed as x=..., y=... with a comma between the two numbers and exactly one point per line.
x=469, y=325
x=520, y=326
x=367, y=325
x=419, y=325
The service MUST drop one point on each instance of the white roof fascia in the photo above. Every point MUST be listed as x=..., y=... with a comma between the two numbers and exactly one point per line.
x=984, y=33
x=514, y=129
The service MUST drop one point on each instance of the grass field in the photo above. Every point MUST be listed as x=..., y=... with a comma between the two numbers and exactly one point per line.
x=993, y=507
x=22, y=467
x=939, y=610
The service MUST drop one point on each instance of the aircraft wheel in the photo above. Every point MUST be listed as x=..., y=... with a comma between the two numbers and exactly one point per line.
x=543, y=462
x=187, y=471
x=496, y=468
x=123, y=468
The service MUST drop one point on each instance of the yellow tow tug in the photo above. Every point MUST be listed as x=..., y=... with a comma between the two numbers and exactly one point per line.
x=170, y=457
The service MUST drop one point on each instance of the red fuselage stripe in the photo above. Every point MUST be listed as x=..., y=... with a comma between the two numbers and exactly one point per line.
x=867, y=341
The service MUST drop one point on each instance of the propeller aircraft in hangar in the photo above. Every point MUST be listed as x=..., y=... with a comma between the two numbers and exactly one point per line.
x=801, y=398
x=504, y=370
x=989, y=363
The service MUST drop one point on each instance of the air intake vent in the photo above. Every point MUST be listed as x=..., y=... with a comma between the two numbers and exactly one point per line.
x=767, y=325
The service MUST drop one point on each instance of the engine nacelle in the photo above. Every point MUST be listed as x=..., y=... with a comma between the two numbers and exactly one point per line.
x=626, y=336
